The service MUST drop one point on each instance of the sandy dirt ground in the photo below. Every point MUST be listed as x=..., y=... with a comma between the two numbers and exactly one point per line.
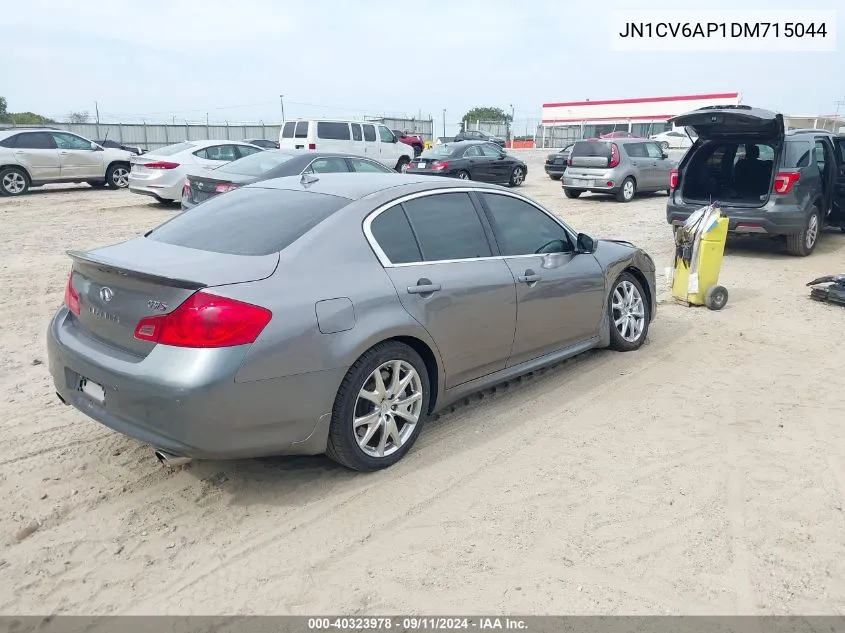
x=704, y=474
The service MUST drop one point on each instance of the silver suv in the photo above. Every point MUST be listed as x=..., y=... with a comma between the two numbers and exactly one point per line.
x=30, y=157
x=621, y=166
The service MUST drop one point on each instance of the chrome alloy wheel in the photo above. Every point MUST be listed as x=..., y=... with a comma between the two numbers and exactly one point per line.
x=628, y=311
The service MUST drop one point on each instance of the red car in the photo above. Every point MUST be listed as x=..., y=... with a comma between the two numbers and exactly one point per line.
x=413, y=140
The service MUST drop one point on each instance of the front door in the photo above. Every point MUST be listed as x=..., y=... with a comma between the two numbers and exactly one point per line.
x=560, y=294
x=37, y=152
x=837, y=213
x=441, y=264
x=77, y=158
x=659, y=167
x=498, y=167
x=388, y=153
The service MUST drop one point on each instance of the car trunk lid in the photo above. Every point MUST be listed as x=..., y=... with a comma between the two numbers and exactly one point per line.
x=717, y=122
x=119, y=285
x=591, y=156
x=203, y=187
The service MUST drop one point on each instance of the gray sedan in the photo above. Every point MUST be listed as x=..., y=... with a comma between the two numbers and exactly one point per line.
x=332, y=314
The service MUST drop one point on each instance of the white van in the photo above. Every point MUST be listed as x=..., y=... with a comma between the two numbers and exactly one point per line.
x=365, y=138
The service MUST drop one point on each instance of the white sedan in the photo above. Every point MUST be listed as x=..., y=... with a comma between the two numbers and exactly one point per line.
x=161, y=173
x=674, y=139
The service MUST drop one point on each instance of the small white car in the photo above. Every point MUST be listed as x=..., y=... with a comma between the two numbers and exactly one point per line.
x=673, y=139
x=35, y=156
x=364, y=138
x=161, y=173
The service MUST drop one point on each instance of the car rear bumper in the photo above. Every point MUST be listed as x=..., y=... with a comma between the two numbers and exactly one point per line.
x=556, y=170
x=187, y=402
x=157, y=191
x=763, y=220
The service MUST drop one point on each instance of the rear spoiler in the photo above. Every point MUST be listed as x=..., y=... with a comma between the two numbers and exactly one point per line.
x=106, y=266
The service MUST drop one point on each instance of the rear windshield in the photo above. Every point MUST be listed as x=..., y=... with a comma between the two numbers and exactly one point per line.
x=591, y=148
x=287, y=131
x=255, y=164
x=249, y=221
x=438, y=151
x=169, y=150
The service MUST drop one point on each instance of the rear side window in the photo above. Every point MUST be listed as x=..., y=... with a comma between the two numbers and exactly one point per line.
x=333, y=131
x=591, y=148
x=249, y=221
x=356, y=131
x=798, y=154
x=447, y=227
x=393, y=234
x=9, y=141
x=327, y=165
x=287, y=131
x=301, y=129
x=635, y=150
x=256, y=164
x=369, y=133
x=35, y=140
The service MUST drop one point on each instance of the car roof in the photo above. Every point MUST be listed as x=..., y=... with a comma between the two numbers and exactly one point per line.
x=357, y=186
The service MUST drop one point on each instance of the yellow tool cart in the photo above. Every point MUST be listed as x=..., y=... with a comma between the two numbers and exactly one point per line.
x=700, y=245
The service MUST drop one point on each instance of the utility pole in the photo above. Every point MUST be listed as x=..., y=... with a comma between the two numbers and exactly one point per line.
x=282, y=103
x=838, y=104
x=510, y=127
x=97, y=114
x=444, y=122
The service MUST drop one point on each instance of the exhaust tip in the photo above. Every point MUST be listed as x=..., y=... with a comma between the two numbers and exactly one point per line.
x=170, y=460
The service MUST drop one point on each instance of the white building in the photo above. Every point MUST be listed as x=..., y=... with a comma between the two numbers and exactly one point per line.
x=562, y=122
x=566, y=122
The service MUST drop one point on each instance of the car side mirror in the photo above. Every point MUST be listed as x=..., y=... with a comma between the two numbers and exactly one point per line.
x=664, y=155
x=95, y=147
x=585, y=243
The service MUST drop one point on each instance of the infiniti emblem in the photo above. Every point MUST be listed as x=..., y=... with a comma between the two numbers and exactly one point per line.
x=106, y=294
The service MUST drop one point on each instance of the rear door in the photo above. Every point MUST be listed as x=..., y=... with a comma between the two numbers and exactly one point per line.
x=37, y=153
x=560, y=294
x=286, y=140
x=333, y=136
x=477, y=164
x=77, y=158
x=438, y=256
x=837, y=214
x=498, y=167
x=357, y=138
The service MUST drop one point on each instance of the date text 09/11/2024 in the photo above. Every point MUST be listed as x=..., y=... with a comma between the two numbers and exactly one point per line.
x=416, y=623
x=723, y=29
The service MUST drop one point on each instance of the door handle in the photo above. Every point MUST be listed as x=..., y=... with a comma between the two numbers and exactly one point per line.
x=423, y=289
x=529, y=277
x=63, y=152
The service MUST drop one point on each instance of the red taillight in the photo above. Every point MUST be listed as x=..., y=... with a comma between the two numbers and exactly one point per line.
x=205, y=320
x=440, y=165
x=784, y=181
x=160, y=165
x=223, y=187
x=71, y=298
x=614, y=155
x=673, y=179
x=312, y=146
x=569, y=162
x=186, y=188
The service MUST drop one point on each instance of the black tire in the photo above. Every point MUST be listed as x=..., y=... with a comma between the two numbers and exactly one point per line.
x=555, y=176
x=716, y=297
x=617, y=341
x=572, y=193
x=97, y=184
x=117, y=176
x=797, y=243
x=627, y=190
x=342, y=445
x=402, y=164
x=517, y=176
x=463, y=175
x=14, y=181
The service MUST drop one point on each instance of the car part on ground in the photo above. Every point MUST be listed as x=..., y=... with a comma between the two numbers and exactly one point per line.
x=833, y=292
x=161, y=173
x=471, y=160
x=339, y=325
x=768, y=181
x=32, y=157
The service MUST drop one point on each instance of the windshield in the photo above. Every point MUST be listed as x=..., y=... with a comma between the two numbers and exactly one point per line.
x=255, y=164
x=169, y=150
x=438, y=151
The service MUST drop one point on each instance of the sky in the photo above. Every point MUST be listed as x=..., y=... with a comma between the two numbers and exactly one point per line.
x=230, y=60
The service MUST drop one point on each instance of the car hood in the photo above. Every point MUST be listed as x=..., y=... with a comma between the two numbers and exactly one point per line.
x=729, y=121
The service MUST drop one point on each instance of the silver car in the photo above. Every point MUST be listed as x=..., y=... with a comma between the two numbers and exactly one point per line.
x=332, y=313
x=161, y=173
x=621, y=166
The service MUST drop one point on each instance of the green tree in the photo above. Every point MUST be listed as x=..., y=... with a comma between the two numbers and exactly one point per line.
x=489, y=113
x=3, y=105
x=20, y=118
